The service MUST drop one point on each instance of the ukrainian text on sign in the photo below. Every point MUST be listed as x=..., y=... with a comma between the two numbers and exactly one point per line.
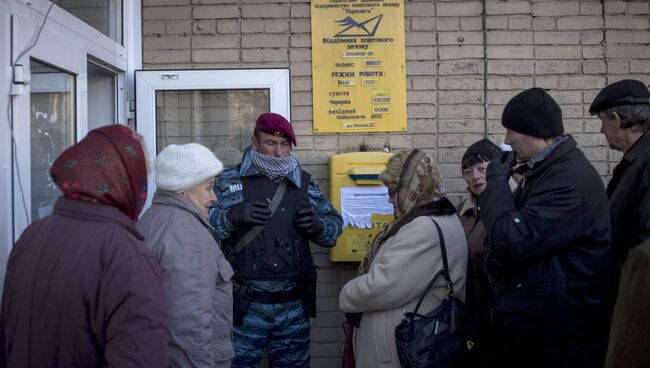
x=358, y=67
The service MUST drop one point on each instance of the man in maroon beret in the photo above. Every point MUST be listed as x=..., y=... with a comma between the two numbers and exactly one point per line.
x=267, y=211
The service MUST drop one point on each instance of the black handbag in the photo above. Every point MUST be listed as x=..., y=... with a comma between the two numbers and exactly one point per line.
x=441, y=338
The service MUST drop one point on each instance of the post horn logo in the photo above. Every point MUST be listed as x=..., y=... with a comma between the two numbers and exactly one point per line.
x=359, y=29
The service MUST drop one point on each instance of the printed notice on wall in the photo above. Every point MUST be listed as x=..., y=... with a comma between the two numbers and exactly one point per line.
x=358, y=204
x=358, y=67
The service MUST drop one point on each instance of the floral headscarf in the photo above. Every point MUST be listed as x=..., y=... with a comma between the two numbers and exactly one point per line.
x=419, y=193
x=108, y=166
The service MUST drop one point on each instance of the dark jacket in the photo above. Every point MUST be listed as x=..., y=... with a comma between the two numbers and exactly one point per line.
x=81, y=290
x=629, y=200
x=550, y=258
x=477, y=296
x=629, y=336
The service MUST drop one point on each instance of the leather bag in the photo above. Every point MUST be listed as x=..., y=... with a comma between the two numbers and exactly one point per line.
x=441, y=338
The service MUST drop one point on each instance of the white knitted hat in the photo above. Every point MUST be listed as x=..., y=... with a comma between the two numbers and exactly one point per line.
x=180, y=167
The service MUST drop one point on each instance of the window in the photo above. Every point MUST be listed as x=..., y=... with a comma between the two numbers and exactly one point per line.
x=216, y=108
x=102, y=96
x=52, y=112
x=103, y=15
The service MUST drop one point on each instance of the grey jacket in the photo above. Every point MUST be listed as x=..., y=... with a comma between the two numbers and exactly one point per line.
x=197, y=282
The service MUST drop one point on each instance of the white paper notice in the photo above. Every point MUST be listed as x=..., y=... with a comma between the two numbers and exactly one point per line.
x=359, y=203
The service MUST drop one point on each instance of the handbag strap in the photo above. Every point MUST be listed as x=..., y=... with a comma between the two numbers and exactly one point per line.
x=444, y=272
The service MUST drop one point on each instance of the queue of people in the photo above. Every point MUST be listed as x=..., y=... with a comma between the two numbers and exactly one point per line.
x=219, y=269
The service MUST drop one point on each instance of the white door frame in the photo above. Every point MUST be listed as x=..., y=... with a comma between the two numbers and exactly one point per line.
x=66, y=43
x=147, y=82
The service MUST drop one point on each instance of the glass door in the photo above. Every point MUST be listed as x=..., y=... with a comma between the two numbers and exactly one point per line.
x=216, y=108
x=52, y=130
x=72, y=79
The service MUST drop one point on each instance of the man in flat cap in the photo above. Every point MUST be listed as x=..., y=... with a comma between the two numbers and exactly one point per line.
x=549, y=243
x=624, y=111
x=267, y=211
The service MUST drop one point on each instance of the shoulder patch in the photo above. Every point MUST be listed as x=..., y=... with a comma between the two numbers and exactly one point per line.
x=235, y=187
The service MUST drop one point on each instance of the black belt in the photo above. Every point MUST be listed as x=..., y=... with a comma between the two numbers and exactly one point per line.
x=276, y=297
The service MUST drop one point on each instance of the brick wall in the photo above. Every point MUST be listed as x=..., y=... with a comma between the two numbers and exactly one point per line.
x=571, y=48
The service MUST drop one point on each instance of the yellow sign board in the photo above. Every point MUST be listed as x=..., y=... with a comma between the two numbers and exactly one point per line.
x=358, y=65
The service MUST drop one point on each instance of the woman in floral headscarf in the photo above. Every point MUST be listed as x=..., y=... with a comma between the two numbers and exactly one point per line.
x=403, y=258
x=81, y=288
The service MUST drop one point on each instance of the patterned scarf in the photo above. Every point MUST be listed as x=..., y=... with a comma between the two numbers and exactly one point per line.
x=108, y=166
x=420, y=192
x=273, y=167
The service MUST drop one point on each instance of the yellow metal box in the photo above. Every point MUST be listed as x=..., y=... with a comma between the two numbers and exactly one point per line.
x=361, y=198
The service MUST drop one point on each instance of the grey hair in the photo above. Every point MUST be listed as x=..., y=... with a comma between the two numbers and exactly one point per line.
x=636, y=117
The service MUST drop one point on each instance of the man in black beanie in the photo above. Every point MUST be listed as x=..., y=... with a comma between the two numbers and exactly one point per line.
x=624, y=111
x=549, y=243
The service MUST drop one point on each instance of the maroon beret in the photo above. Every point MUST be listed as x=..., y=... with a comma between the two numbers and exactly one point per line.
x=275, y=124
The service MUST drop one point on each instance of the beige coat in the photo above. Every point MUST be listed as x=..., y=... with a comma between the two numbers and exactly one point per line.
x=398, y=275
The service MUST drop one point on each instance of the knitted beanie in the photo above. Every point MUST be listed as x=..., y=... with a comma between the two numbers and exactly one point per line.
x=533, y=112
x=180, y=167
x=484, y=148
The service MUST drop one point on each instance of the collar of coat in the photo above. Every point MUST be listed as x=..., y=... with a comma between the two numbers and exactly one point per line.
x=637, y=148
x=559, y=150
x=99, y=212
x=468, y=205
x=171, y=199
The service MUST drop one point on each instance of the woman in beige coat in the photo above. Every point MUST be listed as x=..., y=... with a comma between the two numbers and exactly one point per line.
x=403, y=258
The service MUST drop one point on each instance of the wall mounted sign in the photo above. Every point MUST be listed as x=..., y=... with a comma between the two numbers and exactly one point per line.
x=358, y=65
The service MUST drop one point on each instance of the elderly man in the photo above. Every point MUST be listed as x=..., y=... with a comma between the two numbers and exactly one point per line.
x=550, y=243
x=268, y=210
x=624, y=111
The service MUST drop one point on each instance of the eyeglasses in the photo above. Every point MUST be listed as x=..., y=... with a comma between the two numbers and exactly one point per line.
x=392, y=191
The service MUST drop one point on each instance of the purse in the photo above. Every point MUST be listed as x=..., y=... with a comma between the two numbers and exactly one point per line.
x=441, y=338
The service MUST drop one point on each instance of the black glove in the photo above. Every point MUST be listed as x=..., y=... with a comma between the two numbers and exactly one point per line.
x=501, y=166
x=250, y=213
x=308, y=222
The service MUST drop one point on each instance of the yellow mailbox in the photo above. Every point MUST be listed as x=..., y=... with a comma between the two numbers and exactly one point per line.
x=362, y=200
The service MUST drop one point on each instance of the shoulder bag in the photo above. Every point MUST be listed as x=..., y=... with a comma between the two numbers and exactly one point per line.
x=441, y=338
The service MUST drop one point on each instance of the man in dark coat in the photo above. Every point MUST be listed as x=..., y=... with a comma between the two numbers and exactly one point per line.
x=550, y=243
x=624, y=110
x=81, y=289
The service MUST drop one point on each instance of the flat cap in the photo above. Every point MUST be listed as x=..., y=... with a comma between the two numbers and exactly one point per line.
x=275, y=124
x=623, y=92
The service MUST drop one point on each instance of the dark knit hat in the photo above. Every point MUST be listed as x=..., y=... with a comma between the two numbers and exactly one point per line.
x=484, y=148
x=275, y=124
x=624, y=92
x=533, y=112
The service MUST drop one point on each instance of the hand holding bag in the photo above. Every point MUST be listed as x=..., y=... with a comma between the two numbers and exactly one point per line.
x=441, y=338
